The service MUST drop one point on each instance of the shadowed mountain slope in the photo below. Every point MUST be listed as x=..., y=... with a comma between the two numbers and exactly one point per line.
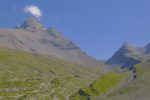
x=147, y=49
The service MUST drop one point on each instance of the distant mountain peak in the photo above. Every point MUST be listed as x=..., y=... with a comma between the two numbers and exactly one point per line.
x=126, y=56
x=127, y=45
x=128, y=48
x=31, y=23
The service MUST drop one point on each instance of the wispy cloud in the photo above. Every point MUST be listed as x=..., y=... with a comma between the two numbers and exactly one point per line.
x=33, y=10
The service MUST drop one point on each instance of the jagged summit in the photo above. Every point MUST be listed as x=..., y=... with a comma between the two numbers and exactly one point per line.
x=31, y=23
x=127, y=47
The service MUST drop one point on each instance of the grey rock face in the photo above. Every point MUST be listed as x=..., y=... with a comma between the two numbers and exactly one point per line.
x=31, y=23
x=31, y=36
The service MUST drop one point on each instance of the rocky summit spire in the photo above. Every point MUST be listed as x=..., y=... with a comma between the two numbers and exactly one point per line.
x=31, y=23
x=127, y=47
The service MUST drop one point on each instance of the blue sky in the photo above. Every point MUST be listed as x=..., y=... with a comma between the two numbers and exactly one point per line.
x=99, y=27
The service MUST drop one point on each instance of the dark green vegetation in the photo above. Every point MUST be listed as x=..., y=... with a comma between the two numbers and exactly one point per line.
x=128, y=85
x=25, y=75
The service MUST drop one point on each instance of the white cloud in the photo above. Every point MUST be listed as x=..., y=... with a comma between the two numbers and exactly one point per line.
x=33, y=10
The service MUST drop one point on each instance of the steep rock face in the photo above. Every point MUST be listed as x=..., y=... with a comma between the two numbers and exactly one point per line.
x=33, y=37
x=126, y=56
x=147, y=49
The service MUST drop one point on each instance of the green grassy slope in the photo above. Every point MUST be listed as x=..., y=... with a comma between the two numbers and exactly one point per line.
x=24, y=75
x=139, y=88
x=134, y=86
x=106, y=83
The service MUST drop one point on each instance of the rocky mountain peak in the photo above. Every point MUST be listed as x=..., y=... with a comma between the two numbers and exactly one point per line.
x=32, y=37
x=126, y=56
x=127, y=46
x=31, y=23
